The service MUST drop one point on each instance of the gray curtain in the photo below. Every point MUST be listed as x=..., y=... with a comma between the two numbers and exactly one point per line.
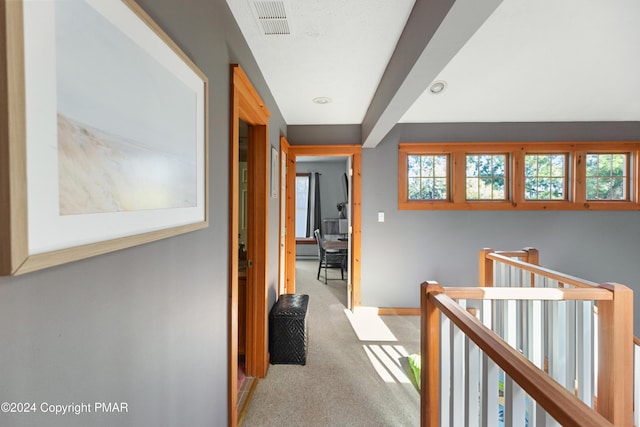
x=314, y=213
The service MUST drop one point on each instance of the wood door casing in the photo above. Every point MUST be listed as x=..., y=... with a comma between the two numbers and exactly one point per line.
x=247, y=106
x=355, y=151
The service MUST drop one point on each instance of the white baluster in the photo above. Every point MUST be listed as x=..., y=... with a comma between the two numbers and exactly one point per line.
x=473, y=368
x=585, y=347
x=445, y=371
x=458, y=371
x=514, y=404
x=490, y=387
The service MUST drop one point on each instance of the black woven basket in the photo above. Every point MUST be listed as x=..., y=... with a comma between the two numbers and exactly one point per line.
x=288, y=338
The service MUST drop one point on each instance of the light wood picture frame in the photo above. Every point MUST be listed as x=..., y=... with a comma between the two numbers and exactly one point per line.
x=103, y=133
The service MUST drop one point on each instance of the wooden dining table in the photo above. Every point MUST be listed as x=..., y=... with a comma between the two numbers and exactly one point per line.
x=332, y=245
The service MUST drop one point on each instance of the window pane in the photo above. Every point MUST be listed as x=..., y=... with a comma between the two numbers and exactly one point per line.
x=531, y=188
x=592, y=164
x=302, y=201
x=440, y=166
x=557, y=188
x=427, y=189
x=604, y=188
x=413, y=165
x=499, y=165
x=440, y=188
x=607, y=176
x=486, y=177
x=472, y=189
x=530, y=166
x=427, y=166
x=414, y=188
x=427, y=177
x=618, y=190
x=472, y=165
x=546, y=180
x=619, y=162
x=484, y=165
x=557, y=165
x=544, y=166
x=592, y=188
x=498, y=188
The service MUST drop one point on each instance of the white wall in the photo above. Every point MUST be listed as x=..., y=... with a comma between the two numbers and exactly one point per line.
x=146, y=325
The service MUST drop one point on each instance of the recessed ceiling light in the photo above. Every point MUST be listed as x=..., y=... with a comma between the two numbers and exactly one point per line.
x=322, y=100
x=438, y=87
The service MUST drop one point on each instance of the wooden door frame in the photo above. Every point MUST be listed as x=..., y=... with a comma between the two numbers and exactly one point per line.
x=355, y=151
x=246, y=105
x=284, y=151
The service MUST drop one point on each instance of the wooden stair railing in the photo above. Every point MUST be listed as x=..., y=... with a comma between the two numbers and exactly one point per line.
x=557, y=401
x=614, y=319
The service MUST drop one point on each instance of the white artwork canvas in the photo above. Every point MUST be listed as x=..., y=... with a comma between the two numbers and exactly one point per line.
x=126, y=127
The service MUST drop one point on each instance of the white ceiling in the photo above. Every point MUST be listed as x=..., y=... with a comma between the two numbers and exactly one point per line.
x=502, y=60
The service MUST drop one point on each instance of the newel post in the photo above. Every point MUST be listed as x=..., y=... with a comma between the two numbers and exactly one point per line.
x=615, y=356
x=486, y=268
x=533, y=256
x=430, y=350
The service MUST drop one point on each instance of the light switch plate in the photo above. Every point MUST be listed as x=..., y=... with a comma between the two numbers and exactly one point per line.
x=380, y=216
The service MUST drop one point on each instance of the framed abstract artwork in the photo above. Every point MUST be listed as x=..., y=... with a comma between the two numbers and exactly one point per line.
x=104, y=134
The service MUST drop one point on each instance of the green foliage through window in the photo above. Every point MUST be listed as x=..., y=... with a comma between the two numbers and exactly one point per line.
x=486, y=177
x=538, y=175
x=427, y=176
x=545, y=176
x=607, y=176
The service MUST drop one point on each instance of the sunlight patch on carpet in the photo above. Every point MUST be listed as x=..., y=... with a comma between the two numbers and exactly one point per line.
x=368, y=326
x=385, y=360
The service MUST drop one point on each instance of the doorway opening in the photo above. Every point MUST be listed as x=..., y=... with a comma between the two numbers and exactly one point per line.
x=245, y=381
x=351, y=155
x=323, y=207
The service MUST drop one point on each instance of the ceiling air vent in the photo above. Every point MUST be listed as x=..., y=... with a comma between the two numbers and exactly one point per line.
x=272, y=17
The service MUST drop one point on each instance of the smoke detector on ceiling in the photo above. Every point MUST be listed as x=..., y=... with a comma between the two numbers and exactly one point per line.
x=272, y=17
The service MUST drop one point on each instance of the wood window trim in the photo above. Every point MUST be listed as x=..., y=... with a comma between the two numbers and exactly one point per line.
x=576, y=179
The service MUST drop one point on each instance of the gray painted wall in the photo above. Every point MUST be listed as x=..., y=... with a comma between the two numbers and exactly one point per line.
x=324, y=134
x=413, y=246
x=146, y=325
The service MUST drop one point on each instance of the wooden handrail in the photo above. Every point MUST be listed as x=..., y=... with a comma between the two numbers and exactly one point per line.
x=554, y=275
x=530, y=294
x=513, y=254
x=556, y=400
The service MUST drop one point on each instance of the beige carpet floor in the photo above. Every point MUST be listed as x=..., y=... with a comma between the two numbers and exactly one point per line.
x=347, y=381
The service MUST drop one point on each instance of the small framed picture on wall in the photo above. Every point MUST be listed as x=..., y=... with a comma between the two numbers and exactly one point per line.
x=275, y=173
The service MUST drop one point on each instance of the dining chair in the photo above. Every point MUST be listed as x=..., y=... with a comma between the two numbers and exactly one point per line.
x=328, y=258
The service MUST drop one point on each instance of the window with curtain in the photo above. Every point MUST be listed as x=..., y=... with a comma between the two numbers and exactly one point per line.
x=302, y=204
